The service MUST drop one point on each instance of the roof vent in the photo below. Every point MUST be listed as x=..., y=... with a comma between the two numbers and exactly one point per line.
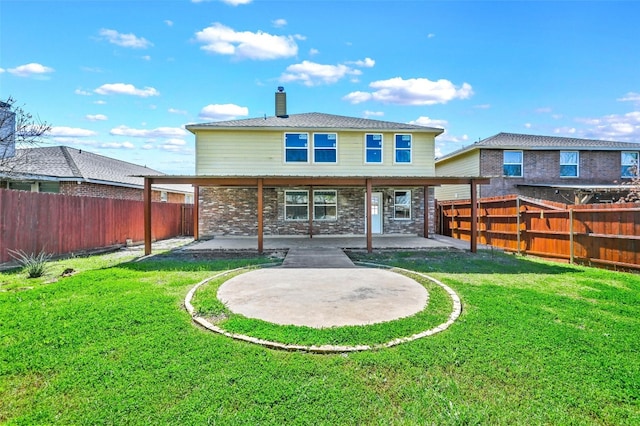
x=281, y=103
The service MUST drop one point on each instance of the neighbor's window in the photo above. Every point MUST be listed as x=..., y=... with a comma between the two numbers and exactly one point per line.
x=325, y=205
x=373, y=149
x=512, y=163
x=296, y=147
x=296, y=205
x=402, y=204
x=629, y=162
x=163, y=196
x=569, y=163
x=325, y=148
x=403, y=149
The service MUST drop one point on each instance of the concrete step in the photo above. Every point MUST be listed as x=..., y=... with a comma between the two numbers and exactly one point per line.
x=317, y=257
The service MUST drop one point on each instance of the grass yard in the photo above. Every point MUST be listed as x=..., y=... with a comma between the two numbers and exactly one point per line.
x=537, y=343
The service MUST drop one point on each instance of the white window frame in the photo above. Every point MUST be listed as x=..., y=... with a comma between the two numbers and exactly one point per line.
x=316, y=204
x=396, y=149
x=521, y=163
x=367, y=149
x=164, y=197
x=624, y=166
x=405, y=205
x=576, y=164
x=305, y=148
x=287, y=205
x=324, y=148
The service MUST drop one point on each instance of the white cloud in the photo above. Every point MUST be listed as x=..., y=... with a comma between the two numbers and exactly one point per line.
x=431, y=35
x=368, y=113
x=413, y=91
x=430, y=122
x=159, y=132
x=482, y=106
x=1, y=70
x=229, y=2
x=31, y=70
x=630, y=97
x=173, y=145
x=365, y=63
x=220, y=112
x=146, y=57
x=125, y=89
x=177, y=111
x=313, y=74
x=313, y=52
x=168, y=22
x=118, y=145
x=100, y=102
x=279, y=23
x=70, y=132
x=96, y=117
x=223, y=40
x=125, y=40
x=621, y=127
x=82, y=92
x=543, y=110
x=527, y=125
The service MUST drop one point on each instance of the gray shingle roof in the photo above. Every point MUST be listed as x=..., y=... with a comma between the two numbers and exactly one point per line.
x=313, y=120
x=68, y=164
x=539, y=142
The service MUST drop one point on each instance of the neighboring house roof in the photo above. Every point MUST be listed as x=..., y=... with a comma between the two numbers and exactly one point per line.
x=62, y=163
x=313, y=120
x=538, y=142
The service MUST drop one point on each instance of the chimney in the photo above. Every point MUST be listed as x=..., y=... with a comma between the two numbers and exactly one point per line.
x=7, y=131
x=281, y=103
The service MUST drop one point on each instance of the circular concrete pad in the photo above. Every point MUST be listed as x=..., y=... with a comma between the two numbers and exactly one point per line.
x=323, y=297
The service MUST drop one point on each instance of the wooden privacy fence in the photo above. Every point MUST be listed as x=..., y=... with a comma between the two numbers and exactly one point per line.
x=62, y=224
x=604, y=234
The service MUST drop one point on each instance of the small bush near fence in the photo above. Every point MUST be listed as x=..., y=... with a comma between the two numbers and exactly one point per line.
x=601, y=234
x=63, y=224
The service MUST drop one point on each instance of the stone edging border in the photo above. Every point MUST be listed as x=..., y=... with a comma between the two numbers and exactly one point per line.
x=326, y=349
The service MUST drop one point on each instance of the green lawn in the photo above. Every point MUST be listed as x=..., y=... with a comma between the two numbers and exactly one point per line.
x=537, y=343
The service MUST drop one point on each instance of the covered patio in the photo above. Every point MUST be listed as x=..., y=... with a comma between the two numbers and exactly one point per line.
x=311, y=182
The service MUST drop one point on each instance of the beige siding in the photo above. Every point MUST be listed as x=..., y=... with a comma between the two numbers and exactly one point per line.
x=237, y=153
x=467, y=164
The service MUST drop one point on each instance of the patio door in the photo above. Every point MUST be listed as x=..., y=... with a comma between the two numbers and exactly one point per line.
x=376, y=213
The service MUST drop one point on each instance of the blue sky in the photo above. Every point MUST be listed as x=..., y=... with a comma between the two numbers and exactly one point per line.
x=122, y=78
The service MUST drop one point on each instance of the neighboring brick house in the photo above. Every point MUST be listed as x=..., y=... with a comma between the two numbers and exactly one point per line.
x=567, y=170
x=70, y=171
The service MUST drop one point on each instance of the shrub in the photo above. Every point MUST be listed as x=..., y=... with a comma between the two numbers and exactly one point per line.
x=35, y=265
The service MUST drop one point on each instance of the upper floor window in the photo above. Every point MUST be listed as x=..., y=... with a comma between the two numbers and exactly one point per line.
x=403, y=149
x=164, y=196
x=325, y=205
x=373, y=148
x=512, y=164
x=402, y=204
x=296, y=147
x=325, y=148
x=629, y=163
x=569, y=163
x=296, y=205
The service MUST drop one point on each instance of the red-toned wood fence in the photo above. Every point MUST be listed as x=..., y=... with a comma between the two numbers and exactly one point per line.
x=602, y=234
x=62, y=224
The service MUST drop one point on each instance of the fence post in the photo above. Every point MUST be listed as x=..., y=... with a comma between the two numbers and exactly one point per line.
x=571, y=250
x=518, y=222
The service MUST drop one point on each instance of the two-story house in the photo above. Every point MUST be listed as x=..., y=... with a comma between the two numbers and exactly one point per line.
x=561, y=169
x=313, y=174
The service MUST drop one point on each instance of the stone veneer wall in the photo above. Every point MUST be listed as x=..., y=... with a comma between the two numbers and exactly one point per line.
x=232, y=212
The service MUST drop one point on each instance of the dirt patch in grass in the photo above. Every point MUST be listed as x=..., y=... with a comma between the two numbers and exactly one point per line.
x=209, y=255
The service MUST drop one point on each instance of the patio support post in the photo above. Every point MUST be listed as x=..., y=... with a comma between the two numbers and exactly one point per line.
x=426, y=212
x=369, y=238
x=147, y=216
x=196, y=212
x=311, y=212
x=474, y=217
x=260, y=218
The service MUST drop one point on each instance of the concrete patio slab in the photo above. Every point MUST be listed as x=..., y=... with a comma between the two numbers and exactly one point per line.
x=317, y=257
x=319, y=298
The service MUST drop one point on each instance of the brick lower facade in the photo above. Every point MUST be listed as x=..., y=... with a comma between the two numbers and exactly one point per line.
x=118, y=192
x=233, y=212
